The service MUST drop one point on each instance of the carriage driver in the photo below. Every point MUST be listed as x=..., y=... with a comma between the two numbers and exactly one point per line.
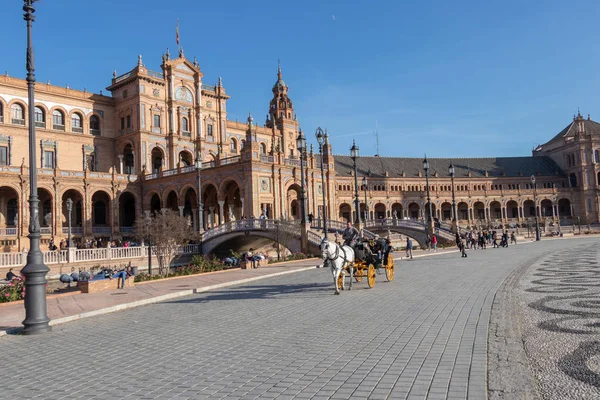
x=350, y=235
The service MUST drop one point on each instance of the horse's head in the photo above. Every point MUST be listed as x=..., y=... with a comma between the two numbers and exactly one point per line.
x=325, y=245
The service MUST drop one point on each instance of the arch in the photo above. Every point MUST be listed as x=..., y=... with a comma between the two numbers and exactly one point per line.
x=233, y=146
x=190, y=202
x=128, y=160
x=1, y=110
x=546, y=208
x=186, y=158
x=95, y=125
x=495, y=210
x=225, y=182
x=263, y=149
x=596, y=156
x=39, y=116
x=9, y=201
x=100, y=209
x=232, y=209
x=426, y=210
x=528, y=209
x=572, y=180
x=564, y=208
x=479, y=210
x=158, y=157
x=155, y=204
x=184, y=94
x=293, y=201
x=76, y=217
x=598, y=179
x=446, y=211
x=17, y=113
x=172, y=201
x=77, y=122
x=127, y=209
x=462, y=209
x=413, y=210
x=379, y=211
x=345, y=212
x=46, y=207
x=185, y=125
x=512, y=209
x=211, y=205
x=58, y=119
x=397, y=210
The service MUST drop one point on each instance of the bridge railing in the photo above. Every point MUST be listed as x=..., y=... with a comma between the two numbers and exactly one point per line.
x=314, y=238
x=251, y=224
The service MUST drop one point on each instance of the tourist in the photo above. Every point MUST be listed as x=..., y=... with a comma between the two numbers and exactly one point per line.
x=434, y=242
x=513, y=238
x=409, y=247
x=428, y=242
x=10, y=275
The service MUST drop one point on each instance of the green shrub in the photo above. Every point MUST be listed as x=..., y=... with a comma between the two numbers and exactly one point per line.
x=14, y=290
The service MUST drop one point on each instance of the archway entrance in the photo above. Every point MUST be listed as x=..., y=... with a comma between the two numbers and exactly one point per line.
x=233, y=203
x=100, y=212
x=293, y=201
x=76, y=215
x=126, y=211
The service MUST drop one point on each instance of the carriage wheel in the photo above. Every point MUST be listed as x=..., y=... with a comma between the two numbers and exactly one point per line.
x=389, y=269
x=371, y=274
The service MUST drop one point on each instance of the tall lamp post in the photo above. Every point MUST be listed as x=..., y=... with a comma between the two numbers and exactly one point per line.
x=537, y=223
x=354, y=155
x=69, y=213
x=36, y=318
x=200, y=205
x=321, y=141
x=430, y=214
x=451, y=172
x=365, y=182
x=301, y=146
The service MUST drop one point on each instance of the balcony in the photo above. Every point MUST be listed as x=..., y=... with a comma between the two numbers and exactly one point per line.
x=95, y=132
x=17, y=121
x=40, y=124
x=75, y=230
x=57, y=127
x=8, y=231
x=267, y=159
x=1, y=119
x=77, y=129
x=46, y=230
x=186, y=133
x=127, y=229
x=126, y=131
x=101, y=229
x=157, y=129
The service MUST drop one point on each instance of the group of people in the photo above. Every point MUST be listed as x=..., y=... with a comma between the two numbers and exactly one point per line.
x=88, y=244
x=254, y=258
x=481, y=239
x=378, y=246
x=103, y=273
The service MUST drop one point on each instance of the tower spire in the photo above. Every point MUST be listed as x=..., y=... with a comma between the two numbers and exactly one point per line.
x=279, y=69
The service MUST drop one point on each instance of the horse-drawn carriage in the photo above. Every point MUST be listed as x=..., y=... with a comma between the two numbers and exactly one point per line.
x=358, y=264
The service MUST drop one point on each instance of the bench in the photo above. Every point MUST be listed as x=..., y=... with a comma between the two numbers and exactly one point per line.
x=248, y=264
x=100, y=285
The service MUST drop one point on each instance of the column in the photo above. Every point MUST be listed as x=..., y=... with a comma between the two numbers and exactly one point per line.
x=243, y=207
x=211, y=216
x=221, y=211
x=180, y=210
x=120, y=163
x=195, y=219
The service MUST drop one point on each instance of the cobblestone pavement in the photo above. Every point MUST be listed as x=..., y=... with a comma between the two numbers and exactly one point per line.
x=424, y=335
x=560, y=300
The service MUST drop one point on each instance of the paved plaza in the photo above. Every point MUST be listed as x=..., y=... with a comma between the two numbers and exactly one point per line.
x=424, y=335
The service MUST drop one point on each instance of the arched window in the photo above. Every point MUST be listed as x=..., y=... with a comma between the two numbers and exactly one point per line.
x=58, y=120
x=1, y=113
x=263, y=149
x=94, y=125
x=185, y=125
x=17, y=114
x=596, y=156
x=573, y=180
x=233, y=146
x=40, y=117
x=76, y=125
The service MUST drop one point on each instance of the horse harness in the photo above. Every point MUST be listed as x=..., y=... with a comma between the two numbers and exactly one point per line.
x=337, y=254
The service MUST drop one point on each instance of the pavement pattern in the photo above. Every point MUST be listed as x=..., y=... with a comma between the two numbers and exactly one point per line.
x=423, y=335
x=560, y=300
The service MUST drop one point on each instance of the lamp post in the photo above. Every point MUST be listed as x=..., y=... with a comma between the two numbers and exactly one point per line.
x=430, y=214
x=301, y=145
x=200, y=205
x=321, y=141
x=354, y=155
x=69, y=212
x=365, y=182
x=451, y=172
x=36, y=318
x=537, y=223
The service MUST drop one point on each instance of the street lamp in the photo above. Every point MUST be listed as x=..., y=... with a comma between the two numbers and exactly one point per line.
x=36, y=318
x=321, y=140
x=301, y=146
x=354, y=155
x=365, y=182
x=537, y=223
x=200, y=205
x=426, y=168
x=69, y=212
x=451, y=172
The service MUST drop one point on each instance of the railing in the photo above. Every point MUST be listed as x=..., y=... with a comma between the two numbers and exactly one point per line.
x=292, y=162
x=186, y=133
x=101, y=229
x=77, y=129
x=46, y=230
x=40, y=124
x=252, y=224
x=208, y=87
x=75, y=230
x=125, y=131
x=189, y=168
x=230, y=160
x=314, y=238
x=155, y=74
x=12, y=259
x=95, y=132
x=58, y=127
x=8, y=231
x=156, y=129
x=170, y=172
x=55, y=257
x=123, y=77
x=17, y=121
x=127, y=229
x=267, y=159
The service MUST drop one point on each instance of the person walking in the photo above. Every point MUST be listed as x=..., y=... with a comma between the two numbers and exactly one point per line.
x=428, y=243
x=461, y=245
x=409, y=247
x=434, y=242
x=513, y=238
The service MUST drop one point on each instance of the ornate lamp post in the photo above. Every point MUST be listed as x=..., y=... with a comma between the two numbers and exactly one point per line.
x=69, y=213
x=451, y=172
x=354, y=155
x=200, y=205
x=301, y=146
x=321, y=141
x=430, y=214
x=36, y=318
x=365, y=182
x=537, y=223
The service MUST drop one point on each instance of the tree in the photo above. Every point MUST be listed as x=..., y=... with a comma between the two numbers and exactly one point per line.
x=286, y=233
x=168, y=232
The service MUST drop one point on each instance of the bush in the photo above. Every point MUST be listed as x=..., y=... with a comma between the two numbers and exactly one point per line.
x=14, y=290
x=198, y=265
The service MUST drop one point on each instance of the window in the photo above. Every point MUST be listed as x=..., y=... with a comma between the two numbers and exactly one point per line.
x=94, y=125
x=122, y=123
x=76, y=125
x=125, y=93
x=3, y=155
x=185, y=125
x=40, y=118
x=58, y=120
x=233, y=146
x=596, y=156
x=209, y=131
x=17, y=114
x=48, y=159
x=128, y=121
x=1, y=113
x=156, y=121
x=263, y=149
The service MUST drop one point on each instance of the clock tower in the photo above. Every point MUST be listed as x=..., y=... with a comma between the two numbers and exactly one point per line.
x=281, y=118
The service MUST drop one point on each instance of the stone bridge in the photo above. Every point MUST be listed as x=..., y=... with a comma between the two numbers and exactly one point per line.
x=413, y=228
x=287, y=233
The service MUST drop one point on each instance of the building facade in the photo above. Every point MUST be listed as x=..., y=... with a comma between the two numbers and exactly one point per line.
x=162, y=139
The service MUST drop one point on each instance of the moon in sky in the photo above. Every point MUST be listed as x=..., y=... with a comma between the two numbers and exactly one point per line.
x=333, y=17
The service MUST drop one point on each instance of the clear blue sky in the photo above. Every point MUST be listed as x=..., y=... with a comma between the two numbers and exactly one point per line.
x=453, y=79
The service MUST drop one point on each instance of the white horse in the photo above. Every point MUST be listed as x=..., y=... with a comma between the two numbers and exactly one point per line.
x=338, y=258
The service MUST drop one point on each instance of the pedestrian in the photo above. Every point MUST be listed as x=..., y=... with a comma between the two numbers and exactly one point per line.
x=409, y=247
x=10, y=275
x=428, y=243
x=513, y=238
x=434, y=242
x=461, y=246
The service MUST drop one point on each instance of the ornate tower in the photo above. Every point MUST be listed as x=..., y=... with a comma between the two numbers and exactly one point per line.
x=281, y=118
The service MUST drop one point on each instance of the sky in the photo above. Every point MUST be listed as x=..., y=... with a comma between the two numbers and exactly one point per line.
x=446, y=79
